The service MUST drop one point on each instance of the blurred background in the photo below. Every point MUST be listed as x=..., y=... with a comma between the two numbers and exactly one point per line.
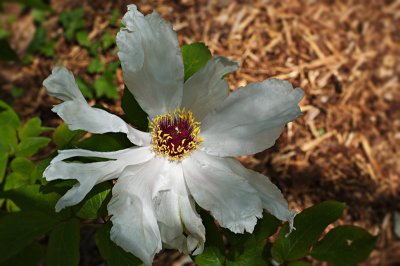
x=345, y=55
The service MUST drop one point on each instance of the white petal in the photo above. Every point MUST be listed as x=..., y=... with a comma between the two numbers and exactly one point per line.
x=251, y=118
x=206, y=88
x=228, y=196
x=66, y=154
x=176, y=214
x=61, y=84
x=77, y=114
x=271, y=197
x=81, y=116
x=151, y=61
x=90, y=174
x=135, y=226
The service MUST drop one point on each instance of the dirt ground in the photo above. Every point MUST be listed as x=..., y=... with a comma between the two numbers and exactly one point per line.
x=345, y=55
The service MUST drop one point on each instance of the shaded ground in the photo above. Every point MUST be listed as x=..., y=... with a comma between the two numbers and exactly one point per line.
x=345, y=55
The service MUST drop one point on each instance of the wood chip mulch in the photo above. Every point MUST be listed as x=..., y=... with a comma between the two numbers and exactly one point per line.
x=345, y=55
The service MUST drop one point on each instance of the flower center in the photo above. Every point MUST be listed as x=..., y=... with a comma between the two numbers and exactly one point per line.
x=175, y=134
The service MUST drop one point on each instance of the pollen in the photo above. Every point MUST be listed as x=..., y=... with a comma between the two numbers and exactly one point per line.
x=175, y=134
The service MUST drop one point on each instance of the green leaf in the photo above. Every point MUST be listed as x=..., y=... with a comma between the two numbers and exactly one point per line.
x=214, y=250
x=48, y=49
x=266, y=227
x=31, y=146
x=113, y=66
x=6, y=52
x=108, y=40
x=30, y=197
x=82, y=38
x=309, y=226
x=37, y=173
x=38, y=40
x=16, y=92
x=299, y=263
x=63, y=247
x=84, y=87
x=16, y=180
x=8, y=116
x=59, y=186
x=345, y=245
x=3, y=165
x=4, y=33
x=105, y=142
x=32, y=128
x=23, y=166
x=95, y=203
x=29, y=256
x=39, y=15
x=18, y=230
x=213, y=234
x=114, y=17
x=134, y=114
x=211, y=256
x=65, y=138
x=96, y=66
x=72, y=22
x=195, y=56
x=8, y=139
x=38, y=4
x=113, y=254
x=105, y=86
x=246, y=247
x=94, y=48
x=252, y=255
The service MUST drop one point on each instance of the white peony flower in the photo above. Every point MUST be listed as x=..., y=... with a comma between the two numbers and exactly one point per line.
x=196, y=129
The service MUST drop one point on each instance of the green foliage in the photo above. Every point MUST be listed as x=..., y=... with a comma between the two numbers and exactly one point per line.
x=134, y=114
x=94, y=205
x=114, y=17
x=17, y=143
x=18, y=230
x=105, y=86
x=344, y=245
x=28, y=256
x=113, y=254
x=96, y=66
x=309, y=226
x=82, y=38
x=3, y=165
x=334, y=247
x=242, y=249
x=8, y=117
x=66, y=138
x=63, y=244
x=211, y=256
x=72, y=21
x=31, y=146
x=30, y=197
x=86, y=89
x=3, y=33
x=37, y=4
x=195, y=56
x=108, y=40
x=16, y=92
x=105, y=142
x=6, y=52
x=41, y=43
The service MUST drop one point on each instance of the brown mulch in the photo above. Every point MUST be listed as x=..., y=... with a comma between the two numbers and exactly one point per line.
x=345, y=55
